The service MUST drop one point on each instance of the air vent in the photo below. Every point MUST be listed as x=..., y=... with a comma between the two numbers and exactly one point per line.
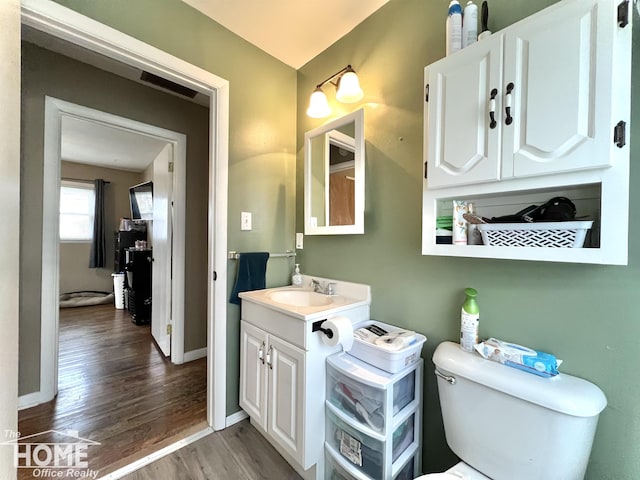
x=167, y=84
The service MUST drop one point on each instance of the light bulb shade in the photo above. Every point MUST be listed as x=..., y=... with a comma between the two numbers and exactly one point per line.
x=349, y=90
x=318, y=105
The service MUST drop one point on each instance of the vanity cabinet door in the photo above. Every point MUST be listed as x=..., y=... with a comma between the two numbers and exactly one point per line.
x=253, y=374
x=286, y=396
x=559, y=64
x=462, y=143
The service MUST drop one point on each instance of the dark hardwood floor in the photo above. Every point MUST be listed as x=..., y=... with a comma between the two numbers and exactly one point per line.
x=116, y=388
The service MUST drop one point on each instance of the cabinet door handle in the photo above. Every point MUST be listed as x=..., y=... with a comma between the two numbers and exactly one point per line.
x=269, y=357
x=261, y=353
x=492, y=108
x=507, y=104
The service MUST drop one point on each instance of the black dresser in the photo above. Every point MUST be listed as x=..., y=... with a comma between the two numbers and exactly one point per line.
x=138, y=284
x=124, y=240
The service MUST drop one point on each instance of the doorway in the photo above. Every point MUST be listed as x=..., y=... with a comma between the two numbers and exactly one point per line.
x=61, y=23
x=87, y=126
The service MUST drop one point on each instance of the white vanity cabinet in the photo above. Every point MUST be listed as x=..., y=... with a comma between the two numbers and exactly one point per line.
x=535, y=99
x=283, y=368
x=538, y=110
x=272, y=382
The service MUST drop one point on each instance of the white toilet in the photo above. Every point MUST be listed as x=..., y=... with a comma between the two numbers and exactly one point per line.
x=506, y=424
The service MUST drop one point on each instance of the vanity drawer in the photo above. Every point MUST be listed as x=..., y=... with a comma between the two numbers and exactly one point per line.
x=362, y=391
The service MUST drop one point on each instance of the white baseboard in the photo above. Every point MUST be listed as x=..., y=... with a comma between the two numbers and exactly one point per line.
x=236, y=418
x=195, y=354
x=132, y=467
x=30, y=400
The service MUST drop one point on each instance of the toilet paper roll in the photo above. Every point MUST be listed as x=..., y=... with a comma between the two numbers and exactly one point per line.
x=342, y=330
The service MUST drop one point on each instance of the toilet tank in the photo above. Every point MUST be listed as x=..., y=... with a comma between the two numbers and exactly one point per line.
x=513, y=425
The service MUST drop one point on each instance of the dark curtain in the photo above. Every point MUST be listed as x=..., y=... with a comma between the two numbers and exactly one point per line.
x=96, y=260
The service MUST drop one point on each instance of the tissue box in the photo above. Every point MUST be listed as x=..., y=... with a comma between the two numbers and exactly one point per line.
x=517, y=356
x=392, y=362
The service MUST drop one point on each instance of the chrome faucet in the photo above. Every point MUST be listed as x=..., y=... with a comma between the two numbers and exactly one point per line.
x=326, y=289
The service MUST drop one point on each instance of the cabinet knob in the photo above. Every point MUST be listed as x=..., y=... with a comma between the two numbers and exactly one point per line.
x=269, y=357
x=507, y=104
x=492, y=108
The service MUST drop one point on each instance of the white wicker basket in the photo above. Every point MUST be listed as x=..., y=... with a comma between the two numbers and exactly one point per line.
x=543, y=234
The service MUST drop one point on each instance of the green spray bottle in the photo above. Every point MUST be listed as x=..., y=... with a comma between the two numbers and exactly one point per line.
x=469, y=321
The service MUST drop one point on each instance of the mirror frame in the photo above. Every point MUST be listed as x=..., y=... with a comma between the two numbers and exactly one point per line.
x=358, y=227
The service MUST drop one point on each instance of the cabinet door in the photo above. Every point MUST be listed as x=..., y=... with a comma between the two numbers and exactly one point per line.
x=253, y=373
x=460, y=144
x=560, y=65
x=286, y=396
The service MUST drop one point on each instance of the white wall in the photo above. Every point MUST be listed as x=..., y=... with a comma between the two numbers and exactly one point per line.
x=9, y=229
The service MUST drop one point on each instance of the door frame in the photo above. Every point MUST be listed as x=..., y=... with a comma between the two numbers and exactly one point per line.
x=61, y=22
x=55, y=109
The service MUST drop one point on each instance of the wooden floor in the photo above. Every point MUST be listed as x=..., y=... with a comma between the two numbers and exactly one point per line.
x=236, y=453
x=117, y=389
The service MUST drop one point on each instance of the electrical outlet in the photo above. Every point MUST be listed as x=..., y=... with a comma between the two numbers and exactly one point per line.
x=245, y=220
x=299, y=241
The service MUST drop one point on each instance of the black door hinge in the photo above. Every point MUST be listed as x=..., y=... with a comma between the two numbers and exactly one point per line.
x=620, y=134
x=425, y=169
x=215, y=275
x=623, y=14
x=426, y=93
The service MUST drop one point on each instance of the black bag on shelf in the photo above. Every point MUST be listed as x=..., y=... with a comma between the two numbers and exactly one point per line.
x=558, y=209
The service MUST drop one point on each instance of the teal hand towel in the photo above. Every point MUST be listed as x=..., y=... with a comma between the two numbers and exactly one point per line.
x=252, y=272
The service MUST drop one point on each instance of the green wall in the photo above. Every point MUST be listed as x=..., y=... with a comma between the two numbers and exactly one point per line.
x=262, y=116
x=585, y=314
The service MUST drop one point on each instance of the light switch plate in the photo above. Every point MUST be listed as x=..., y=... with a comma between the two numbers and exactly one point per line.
x=299, y=241
x=245, y=220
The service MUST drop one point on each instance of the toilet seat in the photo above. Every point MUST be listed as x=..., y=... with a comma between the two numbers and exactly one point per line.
x=460, y=471
x=439, y=476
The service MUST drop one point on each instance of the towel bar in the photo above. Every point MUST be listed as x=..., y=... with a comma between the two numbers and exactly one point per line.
x=232, y=255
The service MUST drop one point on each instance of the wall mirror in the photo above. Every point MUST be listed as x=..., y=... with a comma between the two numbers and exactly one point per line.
x=334, y=177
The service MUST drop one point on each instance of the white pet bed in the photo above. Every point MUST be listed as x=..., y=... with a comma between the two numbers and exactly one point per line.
x=83, y=299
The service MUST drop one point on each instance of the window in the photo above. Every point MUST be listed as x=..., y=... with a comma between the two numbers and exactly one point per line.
x=76, y=211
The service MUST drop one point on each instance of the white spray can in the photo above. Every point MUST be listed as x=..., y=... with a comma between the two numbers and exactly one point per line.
x=470, y=24
x=469, y=321
x=454, y=28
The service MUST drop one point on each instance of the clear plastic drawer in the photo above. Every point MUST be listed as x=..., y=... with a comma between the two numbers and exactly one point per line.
x=361, y=391
x=365, y=452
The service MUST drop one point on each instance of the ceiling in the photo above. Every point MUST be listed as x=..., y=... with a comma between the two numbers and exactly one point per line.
x=92, y=143
x=293, y=31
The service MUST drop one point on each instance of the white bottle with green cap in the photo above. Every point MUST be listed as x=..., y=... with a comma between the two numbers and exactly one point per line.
x=469, y=321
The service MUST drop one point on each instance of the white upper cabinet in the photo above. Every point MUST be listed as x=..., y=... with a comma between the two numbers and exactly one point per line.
x=534, y=99
x=538, y=110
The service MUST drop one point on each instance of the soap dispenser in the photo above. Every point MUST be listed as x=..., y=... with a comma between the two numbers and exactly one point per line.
x=296, y=277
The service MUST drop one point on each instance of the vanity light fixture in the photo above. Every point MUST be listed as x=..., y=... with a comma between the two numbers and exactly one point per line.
x=348, y=91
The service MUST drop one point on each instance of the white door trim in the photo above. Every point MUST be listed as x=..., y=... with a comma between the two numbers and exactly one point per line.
x=61, y=22
x=55, y=109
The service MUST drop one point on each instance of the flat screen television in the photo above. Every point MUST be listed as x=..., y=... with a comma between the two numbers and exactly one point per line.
x=141, y=199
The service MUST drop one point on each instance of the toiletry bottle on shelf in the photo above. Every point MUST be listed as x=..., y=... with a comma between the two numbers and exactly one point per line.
x=470, y=24
x=454, y=28
x=469, y=321
x=296, y=278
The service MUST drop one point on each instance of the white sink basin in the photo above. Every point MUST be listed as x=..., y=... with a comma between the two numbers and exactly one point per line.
x=300, y=298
